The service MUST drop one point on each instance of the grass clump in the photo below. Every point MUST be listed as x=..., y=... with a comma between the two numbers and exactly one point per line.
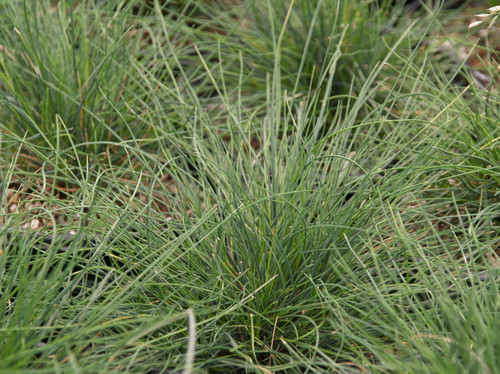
x=244, y=187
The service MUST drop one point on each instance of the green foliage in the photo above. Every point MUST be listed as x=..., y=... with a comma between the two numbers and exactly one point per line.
x=252, y=187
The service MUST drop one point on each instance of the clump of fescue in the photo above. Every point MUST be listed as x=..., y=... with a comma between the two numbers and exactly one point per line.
x=288, y=207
